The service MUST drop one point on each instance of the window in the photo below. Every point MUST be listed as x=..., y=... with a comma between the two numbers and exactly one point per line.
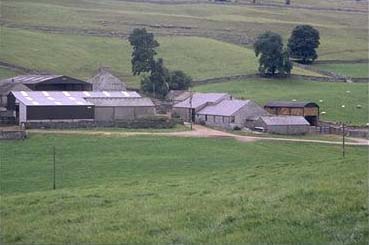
x=232, y=119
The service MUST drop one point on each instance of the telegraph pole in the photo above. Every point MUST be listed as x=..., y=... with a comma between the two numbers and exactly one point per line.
x=343, y=140
x=54, y=182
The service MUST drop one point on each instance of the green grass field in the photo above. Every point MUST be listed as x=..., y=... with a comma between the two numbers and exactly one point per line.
x=334, y=95
x=350, y=70
x=167, y=190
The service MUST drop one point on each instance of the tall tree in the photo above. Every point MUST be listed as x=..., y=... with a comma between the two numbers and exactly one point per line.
x=144, y=45
x=179, y=80
x=157, y=83
x=273, y=60
x=303, y=42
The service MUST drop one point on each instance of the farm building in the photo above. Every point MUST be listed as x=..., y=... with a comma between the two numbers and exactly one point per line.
x=292, y=125
x=190, y=106
x=40, y=83
x=49, y=106
x=176, y=96
x=230, y=113
x=32, y=106
x=106, y=81
x=309, y=110
x=111, y=109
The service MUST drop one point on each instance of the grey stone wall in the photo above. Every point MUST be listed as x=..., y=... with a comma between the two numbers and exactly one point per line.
x=12, y=135
x=153, y=122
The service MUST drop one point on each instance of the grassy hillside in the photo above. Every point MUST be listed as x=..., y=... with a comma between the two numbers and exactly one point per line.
x=350, y=70
x=181, y=190
x=80, y=56
x=334, y=95
x=344, y=34
x=5, y=73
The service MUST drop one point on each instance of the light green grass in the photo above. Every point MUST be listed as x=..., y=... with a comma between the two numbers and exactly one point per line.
x=350, y=70
x=80, y=56
x=334, y=95
x=157, y=190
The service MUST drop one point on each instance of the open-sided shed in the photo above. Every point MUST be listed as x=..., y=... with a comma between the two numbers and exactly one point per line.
x=308, y=110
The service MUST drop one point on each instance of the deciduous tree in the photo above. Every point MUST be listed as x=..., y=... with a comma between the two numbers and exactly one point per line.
x=303, y=42
x=144, y=45
x=273, y=60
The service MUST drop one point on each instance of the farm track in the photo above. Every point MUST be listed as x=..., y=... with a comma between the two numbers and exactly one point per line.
x=199, y=132
x=268, y=5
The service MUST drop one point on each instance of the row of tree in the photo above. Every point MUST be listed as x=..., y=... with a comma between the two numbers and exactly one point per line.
x=157, y=79
x=274, y=59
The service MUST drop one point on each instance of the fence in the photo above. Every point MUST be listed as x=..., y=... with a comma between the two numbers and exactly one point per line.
x=349, y=132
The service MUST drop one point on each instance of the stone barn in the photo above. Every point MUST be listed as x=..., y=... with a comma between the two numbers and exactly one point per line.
x=308, y=110
x=104, y=80
x=230, y=113
x=289, y=125
x=188, y=108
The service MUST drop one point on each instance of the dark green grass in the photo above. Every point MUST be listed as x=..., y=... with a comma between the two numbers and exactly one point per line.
x=334, y=95
x=161, y=190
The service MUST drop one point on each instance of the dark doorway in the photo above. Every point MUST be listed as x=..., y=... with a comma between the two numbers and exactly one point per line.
x=313, y=120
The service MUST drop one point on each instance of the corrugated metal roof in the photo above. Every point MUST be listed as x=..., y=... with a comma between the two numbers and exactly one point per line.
x=54, y=98
x=47, y=98
x=199, y=99
x=122, y=102
x=291, y=104
x=30, y=79
x=284, y=120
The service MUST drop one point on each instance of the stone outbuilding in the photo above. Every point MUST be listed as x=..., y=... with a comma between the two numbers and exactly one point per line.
x=188, y=108
x=104, y=80
x=288, y=125
x=111, y=109
x=230, y=113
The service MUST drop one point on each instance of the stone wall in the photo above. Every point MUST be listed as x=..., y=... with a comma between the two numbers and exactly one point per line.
x=150, y=122
x=13, y=135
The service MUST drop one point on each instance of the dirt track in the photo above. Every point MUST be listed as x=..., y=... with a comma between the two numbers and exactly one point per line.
x=201, y=132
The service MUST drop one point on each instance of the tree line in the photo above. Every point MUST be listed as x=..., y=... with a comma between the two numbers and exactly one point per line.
x=274, y=58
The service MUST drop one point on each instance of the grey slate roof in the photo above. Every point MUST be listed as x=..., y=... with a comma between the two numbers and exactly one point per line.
x=224, y=108
x=230, y=107
x=55, y=98
x=121, y=102
x=284, y=120
x=104, y=80
x=200, y=99
x=290, y=104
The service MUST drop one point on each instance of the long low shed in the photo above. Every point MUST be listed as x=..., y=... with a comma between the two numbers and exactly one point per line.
x=110, y=109
x=289, y=125
x=55, y=106
x=36, y=106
